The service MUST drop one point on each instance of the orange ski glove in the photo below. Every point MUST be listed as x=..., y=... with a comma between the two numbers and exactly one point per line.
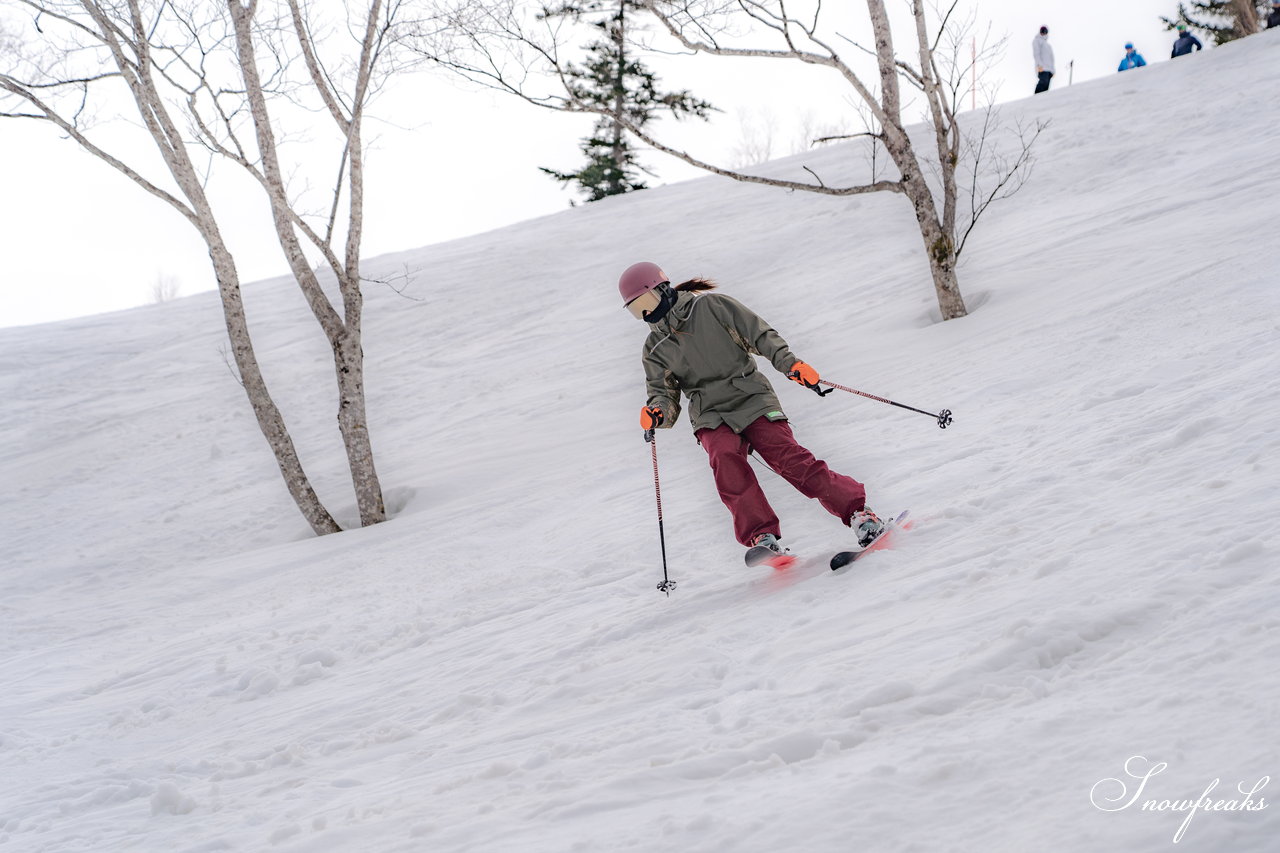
x=804, y=374
x=650, y=417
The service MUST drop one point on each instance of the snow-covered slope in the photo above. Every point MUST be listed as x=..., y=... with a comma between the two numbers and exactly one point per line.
x=1092, y=576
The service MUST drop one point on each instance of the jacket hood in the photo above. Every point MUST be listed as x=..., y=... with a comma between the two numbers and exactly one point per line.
x=678, y=314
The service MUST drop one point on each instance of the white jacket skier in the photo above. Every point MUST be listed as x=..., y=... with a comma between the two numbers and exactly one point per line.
x=1043, y=53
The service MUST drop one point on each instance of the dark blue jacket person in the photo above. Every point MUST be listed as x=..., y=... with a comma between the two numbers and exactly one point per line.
x=1132, y=59
x=1186, y=42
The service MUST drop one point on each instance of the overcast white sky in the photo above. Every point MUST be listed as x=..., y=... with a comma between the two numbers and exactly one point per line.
x=77, y=238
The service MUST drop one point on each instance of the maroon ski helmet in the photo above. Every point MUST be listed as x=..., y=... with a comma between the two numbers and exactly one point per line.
x=639, y=279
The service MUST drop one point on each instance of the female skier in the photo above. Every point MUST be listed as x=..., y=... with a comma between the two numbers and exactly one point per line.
x=701, y=344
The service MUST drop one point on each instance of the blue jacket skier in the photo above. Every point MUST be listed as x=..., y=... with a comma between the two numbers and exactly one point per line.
x=1186, y=42
x=1132, y=59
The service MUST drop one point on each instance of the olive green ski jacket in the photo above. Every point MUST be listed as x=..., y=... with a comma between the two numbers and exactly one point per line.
x=703, y=348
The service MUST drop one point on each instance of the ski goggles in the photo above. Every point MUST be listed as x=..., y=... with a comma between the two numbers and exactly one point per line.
x=644, y=303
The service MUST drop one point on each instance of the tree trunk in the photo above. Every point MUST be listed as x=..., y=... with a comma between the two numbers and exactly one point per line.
x=1246, y=13
x=348, y=361
x=343, y=332
x=939, y=242
x=939, y=247
x=270, y=421
x=617, y=184
x=348, y=348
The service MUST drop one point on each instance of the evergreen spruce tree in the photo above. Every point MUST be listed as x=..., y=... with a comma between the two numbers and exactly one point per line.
x=614, y=78
x=1221, y=20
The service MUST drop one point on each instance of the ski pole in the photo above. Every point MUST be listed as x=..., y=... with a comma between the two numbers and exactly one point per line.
x=667, y=584
x=943, y=417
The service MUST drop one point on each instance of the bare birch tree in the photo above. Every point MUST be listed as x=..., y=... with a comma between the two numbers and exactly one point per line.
x=503, y=49
x=210, y=79
x=164, y=288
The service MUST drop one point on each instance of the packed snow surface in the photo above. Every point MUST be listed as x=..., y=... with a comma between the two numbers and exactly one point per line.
x=1088, y=598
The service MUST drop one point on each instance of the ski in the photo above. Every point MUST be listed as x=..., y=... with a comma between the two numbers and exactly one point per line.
x=844, y=558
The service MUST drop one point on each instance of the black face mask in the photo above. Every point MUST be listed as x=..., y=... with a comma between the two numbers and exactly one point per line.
x=668, y=300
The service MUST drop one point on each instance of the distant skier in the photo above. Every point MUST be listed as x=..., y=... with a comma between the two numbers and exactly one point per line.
x=701, y=345
x=1042, y=52
x=1132, y=59
x=1186, y=42
x=1273, y=20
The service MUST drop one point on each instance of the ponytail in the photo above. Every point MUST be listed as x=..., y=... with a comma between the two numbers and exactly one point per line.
x=697, y=285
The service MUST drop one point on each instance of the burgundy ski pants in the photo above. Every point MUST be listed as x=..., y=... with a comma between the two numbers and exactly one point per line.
x=736, y=481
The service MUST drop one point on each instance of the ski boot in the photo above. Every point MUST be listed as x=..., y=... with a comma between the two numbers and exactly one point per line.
x=765, y=550
x=867, y=525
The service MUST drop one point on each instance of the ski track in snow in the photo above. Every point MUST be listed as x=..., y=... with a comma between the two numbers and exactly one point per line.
x=1091, y=575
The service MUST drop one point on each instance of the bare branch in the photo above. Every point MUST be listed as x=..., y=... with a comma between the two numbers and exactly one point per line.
x=1010, y=176
x=49, y=114
x=820, y=187
x=312, y=62
x=842, y=136
x=397, y=284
